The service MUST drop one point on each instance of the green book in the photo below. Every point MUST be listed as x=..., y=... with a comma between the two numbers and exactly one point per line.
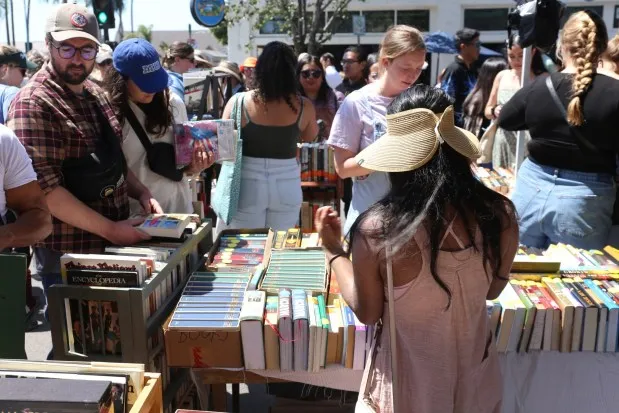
x=12, y=304
x=326, y=325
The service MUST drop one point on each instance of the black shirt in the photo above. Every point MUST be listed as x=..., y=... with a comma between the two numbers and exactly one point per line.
x=347, y=86
x=552, y=142
x=458, y=81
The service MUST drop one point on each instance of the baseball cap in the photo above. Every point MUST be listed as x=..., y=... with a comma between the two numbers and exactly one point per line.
x=139, y=61
x=104, y=53
x=18, y=59
x=70, y=21
x=249, y=62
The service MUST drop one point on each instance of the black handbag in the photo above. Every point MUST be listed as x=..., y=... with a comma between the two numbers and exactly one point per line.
x=97, y=176
x=161, y=156
x=537, y=22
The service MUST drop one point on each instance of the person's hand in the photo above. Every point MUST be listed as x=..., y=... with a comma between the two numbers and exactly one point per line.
x=329, y=228
x=202, y=158
x=6, y=238
x=497, y=111
x=125, y=232
x=150, y=204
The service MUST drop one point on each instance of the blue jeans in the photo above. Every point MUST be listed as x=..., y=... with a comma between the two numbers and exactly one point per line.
x=270, y=195
x=560, y=205
x=47, y=264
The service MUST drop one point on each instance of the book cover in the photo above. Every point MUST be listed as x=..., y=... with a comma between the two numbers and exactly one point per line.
x=284, y=324
x=271, y=336
x=166, y=225
x=348, y=321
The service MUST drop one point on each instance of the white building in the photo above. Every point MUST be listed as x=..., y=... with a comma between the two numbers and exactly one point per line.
x=487, y=16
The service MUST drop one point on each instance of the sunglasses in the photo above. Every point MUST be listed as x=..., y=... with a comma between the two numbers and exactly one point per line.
x=316, y=74
x=67, y=51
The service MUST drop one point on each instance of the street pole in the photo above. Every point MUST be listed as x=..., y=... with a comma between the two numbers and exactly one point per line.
x=27, y=15
x=131, y=16
x=8, y=25
x=358, y=40
x=12, y=23
x=106, y=35
x=525, y=79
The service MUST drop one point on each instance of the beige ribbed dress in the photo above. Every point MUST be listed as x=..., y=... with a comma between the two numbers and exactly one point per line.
x=447, y=360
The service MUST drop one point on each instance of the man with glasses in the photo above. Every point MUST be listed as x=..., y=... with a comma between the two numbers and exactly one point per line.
x=353, y=64
x=459, y=79
x=13, y=66
x=70, y=132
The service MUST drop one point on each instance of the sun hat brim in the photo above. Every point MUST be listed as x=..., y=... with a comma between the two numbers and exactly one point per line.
x=412, y=139
x=228, y=71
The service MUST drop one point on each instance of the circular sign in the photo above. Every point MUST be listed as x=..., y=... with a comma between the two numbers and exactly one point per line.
x=208, y=13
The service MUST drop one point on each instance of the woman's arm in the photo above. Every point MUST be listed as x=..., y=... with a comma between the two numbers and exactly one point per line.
x=345, y=164
x=492, y=100
x=513, y=114
x=509, y=248
x=361, y=284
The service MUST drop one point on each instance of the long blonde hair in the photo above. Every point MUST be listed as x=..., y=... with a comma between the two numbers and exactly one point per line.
x=399, y=40
x=585, y=38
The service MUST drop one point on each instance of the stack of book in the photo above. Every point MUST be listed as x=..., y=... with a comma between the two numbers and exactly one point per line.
x=317, y=163
x=211, y=301
x=295, y=330
x=312, y=201
x=500, y=179
x=119, y=385
x=238, y=251
x=296, y=269
x=566, y=300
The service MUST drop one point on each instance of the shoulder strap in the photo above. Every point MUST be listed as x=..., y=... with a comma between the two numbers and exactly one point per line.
x=369, y=368
x=392, y=333
x=582, y=140
x=138, y=129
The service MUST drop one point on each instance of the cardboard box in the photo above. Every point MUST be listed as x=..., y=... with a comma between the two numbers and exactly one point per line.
x=265, y=259
x=203, y=348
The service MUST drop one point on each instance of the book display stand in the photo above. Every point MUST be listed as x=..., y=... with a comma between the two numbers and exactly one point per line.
x=214, y=91
x=135, y=327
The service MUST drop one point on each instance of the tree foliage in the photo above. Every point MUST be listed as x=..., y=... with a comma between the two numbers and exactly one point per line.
x=144, y=32
x=221, y=32
x=303, y=20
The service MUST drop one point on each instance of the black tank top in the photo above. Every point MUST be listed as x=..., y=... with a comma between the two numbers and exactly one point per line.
x=274, y=142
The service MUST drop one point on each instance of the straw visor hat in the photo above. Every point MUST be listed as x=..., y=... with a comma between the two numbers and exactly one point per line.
x=412, y=139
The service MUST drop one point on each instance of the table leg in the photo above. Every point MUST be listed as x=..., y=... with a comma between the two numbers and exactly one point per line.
x=219, y=397
x=236, y=398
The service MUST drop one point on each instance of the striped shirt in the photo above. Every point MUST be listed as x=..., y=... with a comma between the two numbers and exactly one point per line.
x=53, y=123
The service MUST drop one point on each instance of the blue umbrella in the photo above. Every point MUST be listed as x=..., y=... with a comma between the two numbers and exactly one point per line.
x=440, y=42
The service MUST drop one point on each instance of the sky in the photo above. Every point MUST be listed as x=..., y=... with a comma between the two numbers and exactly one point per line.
x=161, y=14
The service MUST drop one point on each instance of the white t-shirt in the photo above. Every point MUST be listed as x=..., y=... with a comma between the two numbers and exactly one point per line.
x=15, y=165
x=174, y=197
x=359, y=122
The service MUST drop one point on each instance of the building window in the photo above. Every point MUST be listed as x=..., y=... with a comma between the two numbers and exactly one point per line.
x=343, y=24
x=378, y=21
x=486, y=19
x=573, y=9
x=274, y=26
x=415, y=18
x=616, y=19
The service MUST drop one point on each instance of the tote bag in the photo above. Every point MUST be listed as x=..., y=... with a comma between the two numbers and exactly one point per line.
x=228, y=189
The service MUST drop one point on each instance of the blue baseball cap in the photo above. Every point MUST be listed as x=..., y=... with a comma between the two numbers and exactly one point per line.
x=139, y=61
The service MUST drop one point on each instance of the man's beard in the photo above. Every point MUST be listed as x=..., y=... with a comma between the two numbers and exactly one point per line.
x=68, y=77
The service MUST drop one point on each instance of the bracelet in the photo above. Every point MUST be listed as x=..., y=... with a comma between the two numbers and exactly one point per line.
x=336, y=256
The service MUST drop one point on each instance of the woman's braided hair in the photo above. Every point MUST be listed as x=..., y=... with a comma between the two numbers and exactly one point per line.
x=585, y=39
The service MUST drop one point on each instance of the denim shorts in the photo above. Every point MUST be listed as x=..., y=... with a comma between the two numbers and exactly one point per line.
x=270, y=196
x=560, y=205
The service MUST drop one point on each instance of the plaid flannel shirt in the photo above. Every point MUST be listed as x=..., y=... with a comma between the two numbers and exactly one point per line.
x=54, y=123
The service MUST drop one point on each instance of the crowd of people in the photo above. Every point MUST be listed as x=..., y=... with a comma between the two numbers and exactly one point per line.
x=77, y=172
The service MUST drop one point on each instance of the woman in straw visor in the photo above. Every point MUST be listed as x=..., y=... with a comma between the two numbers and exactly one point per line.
x=450, y=242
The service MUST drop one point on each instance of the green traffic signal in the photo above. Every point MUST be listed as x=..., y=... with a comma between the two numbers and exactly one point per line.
x=102, y=17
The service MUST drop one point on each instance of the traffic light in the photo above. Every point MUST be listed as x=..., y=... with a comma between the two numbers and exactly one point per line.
x=104, y=12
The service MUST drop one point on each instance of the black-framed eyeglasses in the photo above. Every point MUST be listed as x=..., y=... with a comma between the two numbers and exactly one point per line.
x=316, y=74
x=67, y=51
x=349, y=61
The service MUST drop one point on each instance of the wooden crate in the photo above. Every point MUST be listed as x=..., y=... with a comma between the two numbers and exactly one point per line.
x=134, y=328
x=150, y=399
